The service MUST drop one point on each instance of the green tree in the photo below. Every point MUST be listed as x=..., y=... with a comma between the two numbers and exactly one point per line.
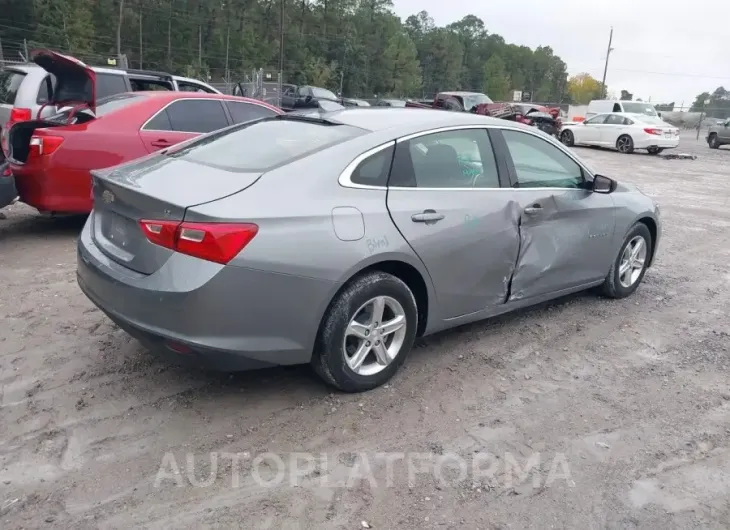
x=401, y=58
x=626, y=95
x=495, y=79
x=583, y=88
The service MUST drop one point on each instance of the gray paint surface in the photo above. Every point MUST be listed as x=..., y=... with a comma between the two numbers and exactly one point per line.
x=485, y=257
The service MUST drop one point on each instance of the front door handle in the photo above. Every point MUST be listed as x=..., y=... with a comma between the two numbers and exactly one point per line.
x=428, y=216
x=532, y=210
x=161, y=143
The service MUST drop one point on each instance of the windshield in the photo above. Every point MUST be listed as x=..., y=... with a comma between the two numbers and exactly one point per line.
x=636, y=107
x=323, y=93
x=265, y=144
x=472, y=100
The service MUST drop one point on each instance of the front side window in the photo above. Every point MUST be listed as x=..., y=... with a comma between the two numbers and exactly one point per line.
x=197, y=115
x=540, y=164
x=185, y=86
x=451, y=159
x=596, y=120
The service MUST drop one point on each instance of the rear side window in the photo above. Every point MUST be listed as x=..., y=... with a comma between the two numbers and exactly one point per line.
x=374, y=170
x=109, y=85
x=186, y=86
x=242, y=112
x=264, y=145
x=197, y=115
x=9, y=84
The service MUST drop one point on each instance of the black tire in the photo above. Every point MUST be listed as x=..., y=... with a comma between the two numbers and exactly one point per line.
x=567, y=138
x=713, y=142
x=625, y=144
x=655, y=150
x=612, y=286
x=328, y=359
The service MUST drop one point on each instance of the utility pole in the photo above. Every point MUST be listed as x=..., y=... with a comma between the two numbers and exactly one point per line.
x=119, y=32
x=281, y=40
x=140, y=35
x=228, y=41
x=200, y=47
x=605, y=68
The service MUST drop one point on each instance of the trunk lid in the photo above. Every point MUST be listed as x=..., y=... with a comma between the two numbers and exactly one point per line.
x=75, y=81
x=155, y=187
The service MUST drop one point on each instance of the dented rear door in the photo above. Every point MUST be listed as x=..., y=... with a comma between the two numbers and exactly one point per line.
x=565, y=229
x=444, y=196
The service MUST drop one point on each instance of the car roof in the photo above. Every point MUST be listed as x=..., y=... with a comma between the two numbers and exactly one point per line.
x=171, y=95
x=461, y=93
x=406, y=120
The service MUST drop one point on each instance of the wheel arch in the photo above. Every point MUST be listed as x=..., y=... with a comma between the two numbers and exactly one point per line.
x=651, y=224
x=410, y=273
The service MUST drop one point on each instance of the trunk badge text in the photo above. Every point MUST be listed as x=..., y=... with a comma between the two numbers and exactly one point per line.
x=107, y=197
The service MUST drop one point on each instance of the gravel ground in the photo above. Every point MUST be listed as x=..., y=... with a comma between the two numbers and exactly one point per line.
x=583, y=413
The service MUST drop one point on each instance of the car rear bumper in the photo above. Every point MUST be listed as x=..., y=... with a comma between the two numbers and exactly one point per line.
x=660, y=142
x=196, y=312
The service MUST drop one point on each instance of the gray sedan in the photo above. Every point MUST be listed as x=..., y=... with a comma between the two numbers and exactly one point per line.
x=337, y=238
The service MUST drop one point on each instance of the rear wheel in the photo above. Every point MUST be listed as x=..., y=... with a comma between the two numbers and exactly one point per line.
x=367, y=333
x=655, y=150
x=625, y=144
x=713, y=142
x=631, y=263
x=567, y=138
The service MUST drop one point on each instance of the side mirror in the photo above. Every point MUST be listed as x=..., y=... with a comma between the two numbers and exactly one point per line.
x=307, y=99
x=603, y=184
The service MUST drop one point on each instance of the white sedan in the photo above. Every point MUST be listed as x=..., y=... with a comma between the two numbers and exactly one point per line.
x=622, y=131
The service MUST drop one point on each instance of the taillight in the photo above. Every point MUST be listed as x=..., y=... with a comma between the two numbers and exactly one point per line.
x=217, y=242
x=20, y=115
x=43, y=145
x=657, y=132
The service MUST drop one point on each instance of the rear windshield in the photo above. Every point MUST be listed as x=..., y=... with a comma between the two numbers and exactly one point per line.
x=9, y=84
x=265, y=144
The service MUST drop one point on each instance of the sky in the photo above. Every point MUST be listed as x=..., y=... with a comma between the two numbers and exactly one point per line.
x=668, y=50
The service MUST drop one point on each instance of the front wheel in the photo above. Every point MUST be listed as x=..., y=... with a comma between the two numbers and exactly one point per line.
x=655, y=150
x=713, y=142
x=625, y=144
x=567, y=138
x=630, y=265
x=367, y=333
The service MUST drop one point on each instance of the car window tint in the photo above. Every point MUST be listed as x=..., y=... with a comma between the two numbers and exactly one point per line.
x=160, y=122
x=197, y=116
x=265, y=144
x=452, y=159
x=596, y=120
x=373, y=171
x=43, y=91
x=628, y=121
x=109, y=85
x=242, y=112
x=614, y=119
x=9, y=84
x=540, y=164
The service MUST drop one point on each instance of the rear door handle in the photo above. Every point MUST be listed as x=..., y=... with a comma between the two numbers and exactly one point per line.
x=428, y=216
x=161, y=143
x=532, y=210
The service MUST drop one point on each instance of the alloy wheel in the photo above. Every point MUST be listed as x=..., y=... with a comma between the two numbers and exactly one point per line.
x=632, y=263
x=375, y=335
x=624, y=144
x=566, y=138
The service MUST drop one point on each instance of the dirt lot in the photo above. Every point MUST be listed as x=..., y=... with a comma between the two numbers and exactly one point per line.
x=623, y=406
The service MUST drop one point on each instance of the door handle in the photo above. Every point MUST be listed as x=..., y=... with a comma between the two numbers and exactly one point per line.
x=428, y=216
x=161, y=143
x=532, y=210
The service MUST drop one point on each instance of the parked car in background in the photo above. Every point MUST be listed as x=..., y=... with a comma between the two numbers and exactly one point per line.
x=27, y=88
x=407, y=223
x=352, y=102
x=305, y=97
x=390, y=103
x=605, y=106
x=51, y=159
x=622, y=131
x=719, y=134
